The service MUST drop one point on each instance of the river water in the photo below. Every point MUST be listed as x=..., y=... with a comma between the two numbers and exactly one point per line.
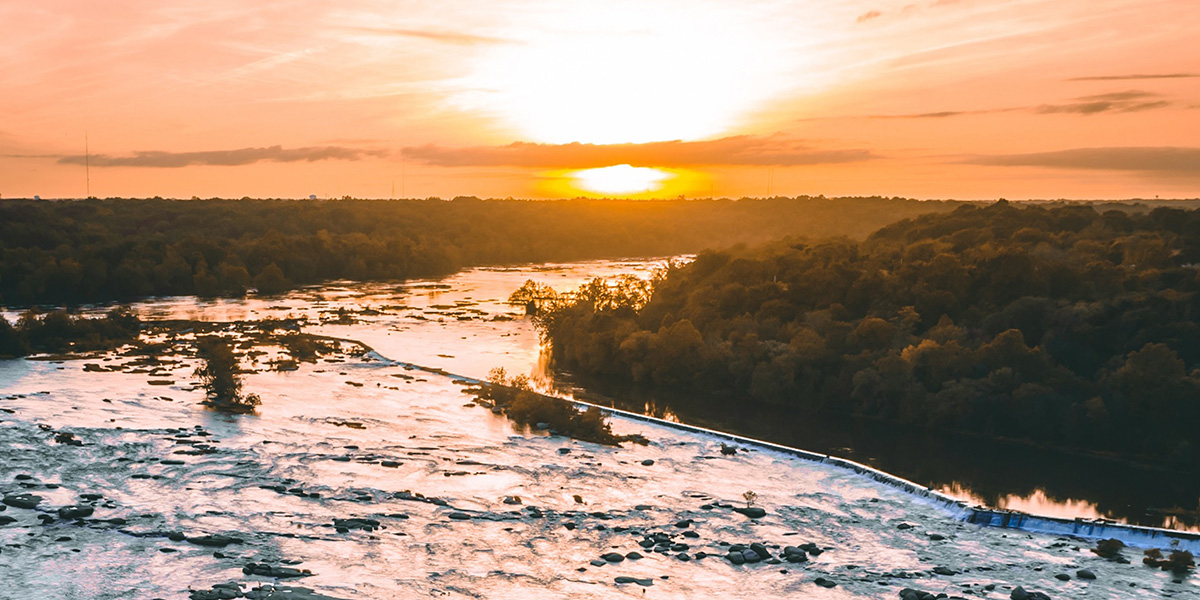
x=452, y=501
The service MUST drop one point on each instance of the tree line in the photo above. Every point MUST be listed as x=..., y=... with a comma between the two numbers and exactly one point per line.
x=1062, y=325
x=74, y=252
x=59, y=331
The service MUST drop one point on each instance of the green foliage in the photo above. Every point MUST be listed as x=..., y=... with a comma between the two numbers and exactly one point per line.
x=60, y=331
x=219, y=377
x=534, y=297
x=1051, y=324
x=514, y=398
x=71, y=252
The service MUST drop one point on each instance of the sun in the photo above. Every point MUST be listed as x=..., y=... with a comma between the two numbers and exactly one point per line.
x=630, y=72
x=620, y=180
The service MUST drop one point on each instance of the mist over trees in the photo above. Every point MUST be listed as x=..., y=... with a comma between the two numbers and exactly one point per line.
x=69, y=252
x=1055, y=325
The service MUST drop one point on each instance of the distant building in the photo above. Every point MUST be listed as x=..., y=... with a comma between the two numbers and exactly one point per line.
x=312, y=196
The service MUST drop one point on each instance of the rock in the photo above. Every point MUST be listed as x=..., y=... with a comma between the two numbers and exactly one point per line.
x=728, y=450
x=613, y=557
x=512, y=500
x=1062, y=577
x=825, y=583
x=904, y=526
x=944, y=571
x=22, y=500
x=281, y=592
x=754, y=512
x=459, y=516
x=213, y=541
x=642, y=582
x=633, y=555
x=5, y=520
x=1110, y=548
x=911, y=594
x=1085, y=574
x=276, y=571
x=75, y=512
x=598, y=562
x=936, y=537
x=68, y=438
x=735, y=557
x=760, y=550
x=391, y=464
x=751, y=556
x=564, y=450
x=648, y=462
x=684, y=524
x=1020, y=593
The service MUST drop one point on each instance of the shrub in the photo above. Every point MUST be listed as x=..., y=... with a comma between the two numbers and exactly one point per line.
x=219, y=377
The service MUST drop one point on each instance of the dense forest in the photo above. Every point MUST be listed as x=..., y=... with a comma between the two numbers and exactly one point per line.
x=1059, y=325
x=80, y=251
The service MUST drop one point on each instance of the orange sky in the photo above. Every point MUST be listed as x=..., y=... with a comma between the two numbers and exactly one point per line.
x=933, y=99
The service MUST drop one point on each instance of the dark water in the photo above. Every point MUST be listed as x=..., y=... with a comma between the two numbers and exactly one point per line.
x=1017, y=476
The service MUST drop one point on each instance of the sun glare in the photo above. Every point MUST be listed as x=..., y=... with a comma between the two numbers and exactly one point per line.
x=621, y=180
x=625, y=73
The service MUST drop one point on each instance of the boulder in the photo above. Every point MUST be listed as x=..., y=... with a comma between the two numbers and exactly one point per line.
x=22, y=500
x=75, y=512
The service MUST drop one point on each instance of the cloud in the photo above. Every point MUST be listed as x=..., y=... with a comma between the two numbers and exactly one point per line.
x=1129, y=101
x=1136, y=76
x=448, y=37
x=737, y=150
x=223, y=158
x=1164, y=160
x=943, y=114
x=867, y=16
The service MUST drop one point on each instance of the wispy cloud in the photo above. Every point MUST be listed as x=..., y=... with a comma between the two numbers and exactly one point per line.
x=944, y=114
x=1130, y=101
x=1117, y=102
x=448, y=37
x=737, y=150
x=1165, y=160
x=223, y=158
x=1136, y=76
x=867, y=16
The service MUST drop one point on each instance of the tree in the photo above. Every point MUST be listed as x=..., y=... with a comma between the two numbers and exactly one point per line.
x=271, y=280
x=219, y=377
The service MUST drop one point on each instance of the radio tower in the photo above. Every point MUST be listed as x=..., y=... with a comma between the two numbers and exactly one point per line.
x=87, y=164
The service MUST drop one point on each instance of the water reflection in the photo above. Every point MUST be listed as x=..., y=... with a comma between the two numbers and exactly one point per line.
x=1005, y=475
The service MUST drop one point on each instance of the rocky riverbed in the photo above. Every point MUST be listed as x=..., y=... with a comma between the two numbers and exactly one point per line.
x=114, y=487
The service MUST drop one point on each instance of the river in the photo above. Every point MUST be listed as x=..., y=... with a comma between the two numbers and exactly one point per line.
x=452, y=501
